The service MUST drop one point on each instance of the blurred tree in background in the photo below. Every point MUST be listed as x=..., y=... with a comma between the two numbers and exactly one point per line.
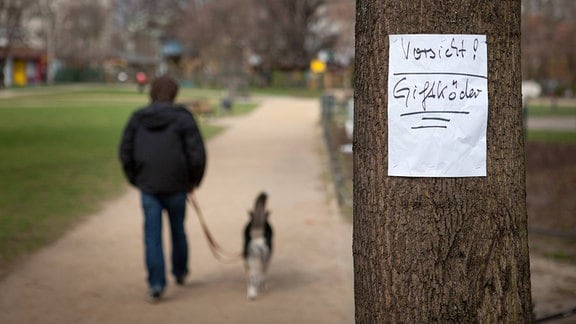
x=264, y=36
x=225, y=39
x=549, y=44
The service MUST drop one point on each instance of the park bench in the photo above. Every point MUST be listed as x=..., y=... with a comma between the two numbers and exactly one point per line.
x=200, y=107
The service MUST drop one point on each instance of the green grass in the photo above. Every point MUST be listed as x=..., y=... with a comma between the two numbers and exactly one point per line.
x=558, y=255
x=241, y=108
x=293, y=92
x=549, y=111
x=58, y=160
x=551, y=136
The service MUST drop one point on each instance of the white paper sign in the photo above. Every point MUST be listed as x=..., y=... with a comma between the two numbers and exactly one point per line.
x=437, y=105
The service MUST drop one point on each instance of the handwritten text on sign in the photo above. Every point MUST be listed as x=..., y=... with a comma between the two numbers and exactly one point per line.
x=437, y=105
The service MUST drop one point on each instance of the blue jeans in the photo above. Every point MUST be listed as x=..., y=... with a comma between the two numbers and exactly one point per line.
x=175, y=205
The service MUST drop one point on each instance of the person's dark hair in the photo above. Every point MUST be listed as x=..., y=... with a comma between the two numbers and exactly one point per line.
x=163, y=88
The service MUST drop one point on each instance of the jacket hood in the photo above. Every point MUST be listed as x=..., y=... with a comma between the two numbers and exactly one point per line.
x=158, y=115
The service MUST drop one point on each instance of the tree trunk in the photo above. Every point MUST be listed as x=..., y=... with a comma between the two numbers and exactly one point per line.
x=440, y=249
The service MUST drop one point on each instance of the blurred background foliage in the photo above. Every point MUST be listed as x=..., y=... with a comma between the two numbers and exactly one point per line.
x=231, y=43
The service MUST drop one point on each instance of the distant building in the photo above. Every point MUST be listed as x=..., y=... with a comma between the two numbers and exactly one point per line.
x=23, y=66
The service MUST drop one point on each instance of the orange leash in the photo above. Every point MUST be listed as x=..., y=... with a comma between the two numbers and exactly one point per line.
x=219, y=253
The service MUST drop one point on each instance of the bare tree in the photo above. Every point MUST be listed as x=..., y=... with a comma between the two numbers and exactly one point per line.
x=287, y=28
x=548, y=51
x=289, y=34
x=440, y=250
x=143, y=23
x=284, y=33
x=219, y=33
x=218, y=27
x=269, y=35
x=79, y=30
x=342, y=19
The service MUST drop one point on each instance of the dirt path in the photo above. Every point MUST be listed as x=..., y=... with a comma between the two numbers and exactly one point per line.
x=567, y=123
x=95, y=273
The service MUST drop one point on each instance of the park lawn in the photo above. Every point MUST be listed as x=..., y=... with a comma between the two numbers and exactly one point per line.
x=58, y=161
x=551, y=136
x=540, y=110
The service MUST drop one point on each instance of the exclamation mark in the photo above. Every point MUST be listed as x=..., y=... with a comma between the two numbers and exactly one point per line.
x=475, y=48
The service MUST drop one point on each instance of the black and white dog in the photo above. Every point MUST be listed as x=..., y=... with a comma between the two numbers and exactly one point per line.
x=257, y=246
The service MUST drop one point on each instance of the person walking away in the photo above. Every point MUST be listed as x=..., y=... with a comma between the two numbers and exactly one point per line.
x=141, y=80
x=162, y=153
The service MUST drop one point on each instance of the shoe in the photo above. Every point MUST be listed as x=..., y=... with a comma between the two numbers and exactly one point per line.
x=155, y=296
x=180, y=280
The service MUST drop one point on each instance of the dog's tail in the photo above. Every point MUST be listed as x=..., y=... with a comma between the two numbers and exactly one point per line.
x=259, y=214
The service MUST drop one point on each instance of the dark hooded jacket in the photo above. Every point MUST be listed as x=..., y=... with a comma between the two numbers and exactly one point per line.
x=162, y=150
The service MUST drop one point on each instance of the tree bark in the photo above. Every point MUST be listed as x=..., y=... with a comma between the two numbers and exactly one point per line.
x=440, y=249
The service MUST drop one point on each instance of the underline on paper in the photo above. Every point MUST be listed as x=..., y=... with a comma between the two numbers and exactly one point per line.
x=443, y=73
x=434, y=118
x=434, y=112
x=420, y=127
